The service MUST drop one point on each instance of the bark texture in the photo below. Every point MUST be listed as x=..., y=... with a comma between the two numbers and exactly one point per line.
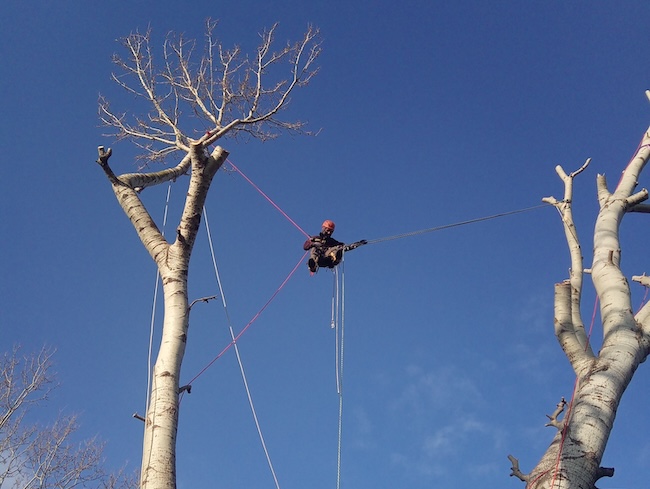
x=172, y=260
x=573, y=458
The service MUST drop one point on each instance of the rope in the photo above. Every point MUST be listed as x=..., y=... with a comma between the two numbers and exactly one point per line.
x=239, y=360
x=456, y=224
x=340, y=374
x=153, y=308
x=227, y=347
x=268, y=198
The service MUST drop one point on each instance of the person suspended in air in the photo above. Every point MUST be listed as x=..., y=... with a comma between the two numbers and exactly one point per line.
x=327, y=252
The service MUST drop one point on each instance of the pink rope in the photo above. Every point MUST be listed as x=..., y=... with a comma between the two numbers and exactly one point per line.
x=229, y=345
x=267, y=198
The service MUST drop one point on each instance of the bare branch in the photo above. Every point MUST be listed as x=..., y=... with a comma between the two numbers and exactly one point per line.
x=642, y=279
x=576, y=271
x=515, y=470
x=43, y=456
x=553, y=421
x=641, y=208
x=25, y=381
x=225, y=92
x=202, y=299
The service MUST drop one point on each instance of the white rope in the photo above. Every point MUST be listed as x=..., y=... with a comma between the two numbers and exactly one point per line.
x=334, y=324
x=239, y=361
x=340, y=337
x=153, y=310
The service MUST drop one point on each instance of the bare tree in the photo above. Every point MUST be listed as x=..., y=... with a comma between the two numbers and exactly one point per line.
x=33, y=456
x=192, y=101
x=573, y=458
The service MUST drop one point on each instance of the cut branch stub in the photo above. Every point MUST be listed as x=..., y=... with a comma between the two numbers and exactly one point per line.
x=559, y=409
x=515, y=472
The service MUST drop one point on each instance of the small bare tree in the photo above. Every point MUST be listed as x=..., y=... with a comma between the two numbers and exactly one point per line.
x=33, y=456
x=573, y=459
x=192, y=101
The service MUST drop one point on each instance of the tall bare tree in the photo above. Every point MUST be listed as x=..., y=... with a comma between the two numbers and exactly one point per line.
x=573, y=458
x=192, y=101
x=34, y=456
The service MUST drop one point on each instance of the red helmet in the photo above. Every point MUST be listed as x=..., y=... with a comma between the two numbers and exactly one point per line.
x=327, y=224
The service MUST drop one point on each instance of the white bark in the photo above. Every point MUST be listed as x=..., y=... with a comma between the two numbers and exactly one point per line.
x=231, y=94
x=172, y=260
x=572, y=461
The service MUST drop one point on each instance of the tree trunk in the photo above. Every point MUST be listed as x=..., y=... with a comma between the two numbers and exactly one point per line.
x=573, y=459
x=172, y=260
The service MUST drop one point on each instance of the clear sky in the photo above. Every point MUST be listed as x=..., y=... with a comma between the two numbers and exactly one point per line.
x=429, y=113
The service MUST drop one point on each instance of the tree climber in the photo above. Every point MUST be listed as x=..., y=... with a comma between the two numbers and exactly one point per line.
x=325, y=250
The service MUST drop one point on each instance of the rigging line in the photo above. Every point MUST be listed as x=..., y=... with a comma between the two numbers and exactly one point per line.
x=340, y=374
x=153, y=307
x=456, y=224
x=239, y=360
x=268, y=198
x=335, y=325
x=257, y=315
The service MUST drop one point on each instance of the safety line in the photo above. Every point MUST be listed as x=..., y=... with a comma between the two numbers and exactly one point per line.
x=258, y=314
x=153, y=307
x=268, y=198
x=456, y=224
x=239, y=360
x=339, y=367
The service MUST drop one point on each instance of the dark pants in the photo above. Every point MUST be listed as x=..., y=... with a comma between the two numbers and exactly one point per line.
x=326, y=258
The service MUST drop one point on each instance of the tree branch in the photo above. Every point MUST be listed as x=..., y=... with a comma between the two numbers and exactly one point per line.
x=576, y=272
x=610, y=283
x=640, y=208
x=128, y=198
x=553, y=421
x=515, y=470
x=565, y=331
x=226, y=92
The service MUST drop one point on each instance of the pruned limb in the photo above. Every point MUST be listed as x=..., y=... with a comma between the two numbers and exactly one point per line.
x=141, y=180
x=640, y=208
x=564, y=208
x=637, y=198
x=202, y=299
x=127, y=197
x=104, y=156
x=578, y=354
x=553, y=421
x=515, y=470
x=642, y=279
x=137, y=416
x=605, y=472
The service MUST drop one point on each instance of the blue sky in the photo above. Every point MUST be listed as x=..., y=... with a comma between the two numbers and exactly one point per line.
x=429, y=113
